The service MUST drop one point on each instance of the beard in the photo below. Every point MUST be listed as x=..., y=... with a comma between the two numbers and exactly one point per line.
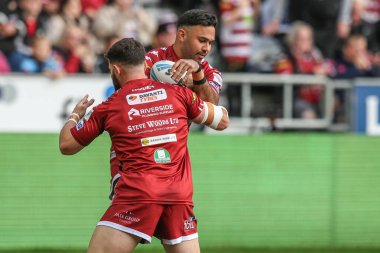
x=116, y=83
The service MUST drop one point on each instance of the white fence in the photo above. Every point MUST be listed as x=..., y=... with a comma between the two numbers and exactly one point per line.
x=35, y=103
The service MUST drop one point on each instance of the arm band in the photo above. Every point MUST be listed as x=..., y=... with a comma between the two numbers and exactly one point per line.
x=213, y=116
x=205, y=108
x=218, y=115
x=200, y=82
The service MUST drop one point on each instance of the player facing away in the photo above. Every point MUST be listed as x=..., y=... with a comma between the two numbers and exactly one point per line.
x=148, y=125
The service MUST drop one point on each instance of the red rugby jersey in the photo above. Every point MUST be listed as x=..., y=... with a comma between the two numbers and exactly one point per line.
x=213, y=76
x=147, y=123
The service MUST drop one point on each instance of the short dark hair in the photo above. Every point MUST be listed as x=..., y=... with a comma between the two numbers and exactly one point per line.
x=126, y=51
x=197, y=17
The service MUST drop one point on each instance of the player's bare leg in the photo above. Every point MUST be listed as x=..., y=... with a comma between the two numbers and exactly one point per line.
x=191, y=246
x=110, y=240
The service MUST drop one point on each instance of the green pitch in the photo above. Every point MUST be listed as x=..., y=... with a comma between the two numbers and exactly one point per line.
x=223, y=250
x=280, y=190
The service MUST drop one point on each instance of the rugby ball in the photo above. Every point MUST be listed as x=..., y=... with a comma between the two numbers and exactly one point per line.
x=160, y=72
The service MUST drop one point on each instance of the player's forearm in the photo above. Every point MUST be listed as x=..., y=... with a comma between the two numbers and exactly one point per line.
x=67, y=144
x=215, y=117
x=206, y=93
x=202, y=88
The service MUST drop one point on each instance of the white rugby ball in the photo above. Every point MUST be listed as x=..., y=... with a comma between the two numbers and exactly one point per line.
x=160, y=72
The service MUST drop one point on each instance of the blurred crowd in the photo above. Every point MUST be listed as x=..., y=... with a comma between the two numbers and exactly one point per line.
x=338, y=38
x=335, y=38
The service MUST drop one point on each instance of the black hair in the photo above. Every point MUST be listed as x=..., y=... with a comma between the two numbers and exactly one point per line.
x=197, y=17
x=126, y=51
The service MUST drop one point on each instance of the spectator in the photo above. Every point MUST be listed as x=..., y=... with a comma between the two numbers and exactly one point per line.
x=8, y=7
x=302, y=57
x=126, y=19
x=237, y=20
x=77, y=56
x=266, y=45
x=91, y=7
x=11, y=27
x=4, y=65
x=166, y=31
x=272, y=17
x=51, y=7
x=70, y=14
x=101, y=64
x=330, y=19
x=354, y=62
x=42, y=60
x=35, y=23
x=355, y=59
x=371, y=13
x=358, y=24
x=236, y=32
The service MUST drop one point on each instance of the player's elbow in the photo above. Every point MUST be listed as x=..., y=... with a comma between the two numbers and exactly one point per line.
x=68, y=147
x=65, y=149
x=224, y=123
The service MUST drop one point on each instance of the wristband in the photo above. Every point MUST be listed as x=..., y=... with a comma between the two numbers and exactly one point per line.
x=75, y=114
x=73, y=120
x=199, y=69
x=200, y=82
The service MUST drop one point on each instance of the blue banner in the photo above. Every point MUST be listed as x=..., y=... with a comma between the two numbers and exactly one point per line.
x=366, y=109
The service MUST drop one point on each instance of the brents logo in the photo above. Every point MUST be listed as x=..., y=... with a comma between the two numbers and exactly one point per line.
x=146, y=97
x=189, y=224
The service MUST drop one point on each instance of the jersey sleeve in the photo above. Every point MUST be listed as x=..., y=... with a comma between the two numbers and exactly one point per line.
x=151, y=57
x=213, y=76
x=194, y=104
x=89, y=127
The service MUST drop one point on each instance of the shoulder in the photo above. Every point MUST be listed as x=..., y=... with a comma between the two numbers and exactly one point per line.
x=208, y=69
x=156, y=54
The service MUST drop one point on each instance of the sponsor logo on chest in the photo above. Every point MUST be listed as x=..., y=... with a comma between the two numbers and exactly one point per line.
x=146, y=97
x=153, y=124
x=158, y=139
x=150, y=111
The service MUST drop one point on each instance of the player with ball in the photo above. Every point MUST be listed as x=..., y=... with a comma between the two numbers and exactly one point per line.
x=182, y=63
x=195, y=35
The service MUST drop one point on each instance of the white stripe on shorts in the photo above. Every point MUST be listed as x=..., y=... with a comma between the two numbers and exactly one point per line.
x=180, y=239
x=125, y=229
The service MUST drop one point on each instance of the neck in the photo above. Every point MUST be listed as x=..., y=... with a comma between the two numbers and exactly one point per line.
x=177, y=50
x=133, y=73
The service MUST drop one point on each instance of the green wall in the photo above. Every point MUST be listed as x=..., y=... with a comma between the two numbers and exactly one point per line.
x=278, y=190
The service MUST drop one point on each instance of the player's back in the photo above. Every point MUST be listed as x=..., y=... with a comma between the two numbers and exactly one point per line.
x=148, y=125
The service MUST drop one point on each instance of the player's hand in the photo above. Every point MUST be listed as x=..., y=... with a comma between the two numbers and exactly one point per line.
x=182, y=69
x=82, y=106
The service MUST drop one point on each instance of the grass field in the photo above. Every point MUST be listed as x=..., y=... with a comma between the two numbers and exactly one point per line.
x=298, y=193
x=220, y=250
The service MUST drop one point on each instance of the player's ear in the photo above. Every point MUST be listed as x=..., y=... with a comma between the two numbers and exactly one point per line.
x=117, y=69
x=181, y=34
